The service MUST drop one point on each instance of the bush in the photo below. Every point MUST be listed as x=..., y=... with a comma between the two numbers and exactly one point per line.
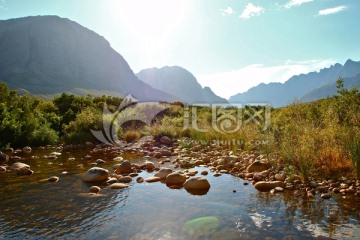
x=131, y=136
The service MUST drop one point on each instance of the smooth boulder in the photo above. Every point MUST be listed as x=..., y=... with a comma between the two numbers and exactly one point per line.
x=267, y=186
x=163, y=173
x=258, y=166
x=175, y=178
x=18, y=165
x=96, y=174
x=118, y=186
x=124, y=167
x=197, y=183
x=165, y=140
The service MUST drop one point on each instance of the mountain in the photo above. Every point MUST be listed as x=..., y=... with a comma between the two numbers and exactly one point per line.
x=180, y=83
x=281, y=94
x=50, y=55
x=330, y=89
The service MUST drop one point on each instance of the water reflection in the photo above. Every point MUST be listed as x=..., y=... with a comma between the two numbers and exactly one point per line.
x=33, y=209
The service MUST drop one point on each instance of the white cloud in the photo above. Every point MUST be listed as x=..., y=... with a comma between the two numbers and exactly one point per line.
x=293, y=3
x=331, y=10
x=227, y=11
x=251, y=10
x=227, y=84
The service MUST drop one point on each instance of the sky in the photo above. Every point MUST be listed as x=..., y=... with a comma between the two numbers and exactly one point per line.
x=229, y=45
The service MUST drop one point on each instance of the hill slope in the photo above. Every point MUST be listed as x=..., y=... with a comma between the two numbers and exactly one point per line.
x=49, y=55
x=180, y=83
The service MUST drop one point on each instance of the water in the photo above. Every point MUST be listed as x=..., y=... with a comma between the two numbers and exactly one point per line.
x=35, y=209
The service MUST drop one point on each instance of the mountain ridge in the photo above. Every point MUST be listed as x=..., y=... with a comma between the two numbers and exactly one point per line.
x=281, y=94
x=183, y=85
x=50, y=54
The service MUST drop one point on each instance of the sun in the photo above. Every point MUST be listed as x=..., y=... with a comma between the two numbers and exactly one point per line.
x=152, y=22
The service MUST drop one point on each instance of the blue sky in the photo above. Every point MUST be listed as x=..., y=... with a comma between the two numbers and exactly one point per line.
x=229, y=45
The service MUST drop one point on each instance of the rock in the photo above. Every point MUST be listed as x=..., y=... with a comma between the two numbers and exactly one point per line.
x=197, y=183
x=313, y=184
x=258, y=176
x=149, y=166
x=258, y=166
x=87, y=157
x=124, y=167
x=133, y=174
x=217, y=174
x=53, y=179
x=201, y=227
x=336, y=190
x=96, y=174
x=140, y=180
x=165, y=140
x=204, y=173
x=111, y=180
x=3, y=157
x=94, y=189
x=322, y=189
x=267, y=186
x=325, y=195
x=279, y=189
x=24, y=172
x=163, y=173
x=56, y=153
x=152, y=179
x=89, y=145
x=280, y=177
x=175, y=178
x=18, y=165
x=27, y=150
x=118, y=186
x=100, y=161
x=2, y=169
x=125, y=179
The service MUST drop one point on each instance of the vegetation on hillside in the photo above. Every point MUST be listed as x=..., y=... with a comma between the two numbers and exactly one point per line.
x=321, y=138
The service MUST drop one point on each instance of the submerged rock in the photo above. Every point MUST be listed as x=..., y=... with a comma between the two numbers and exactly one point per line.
x=96, y=174
x=202, y=226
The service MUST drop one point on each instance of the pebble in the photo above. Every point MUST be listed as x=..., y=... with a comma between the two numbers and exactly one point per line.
x=326, y=196
x=94, y=189
x=140, y=180
x=118, y=186
x=53, y=179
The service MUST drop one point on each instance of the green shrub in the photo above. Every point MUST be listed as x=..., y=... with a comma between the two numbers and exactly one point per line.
x=131, y=136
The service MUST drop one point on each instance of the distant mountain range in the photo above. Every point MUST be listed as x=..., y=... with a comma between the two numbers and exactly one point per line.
x=306, y=87
x=180, y=83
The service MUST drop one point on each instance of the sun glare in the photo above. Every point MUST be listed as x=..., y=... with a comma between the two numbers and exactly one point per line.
x=153, y=22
